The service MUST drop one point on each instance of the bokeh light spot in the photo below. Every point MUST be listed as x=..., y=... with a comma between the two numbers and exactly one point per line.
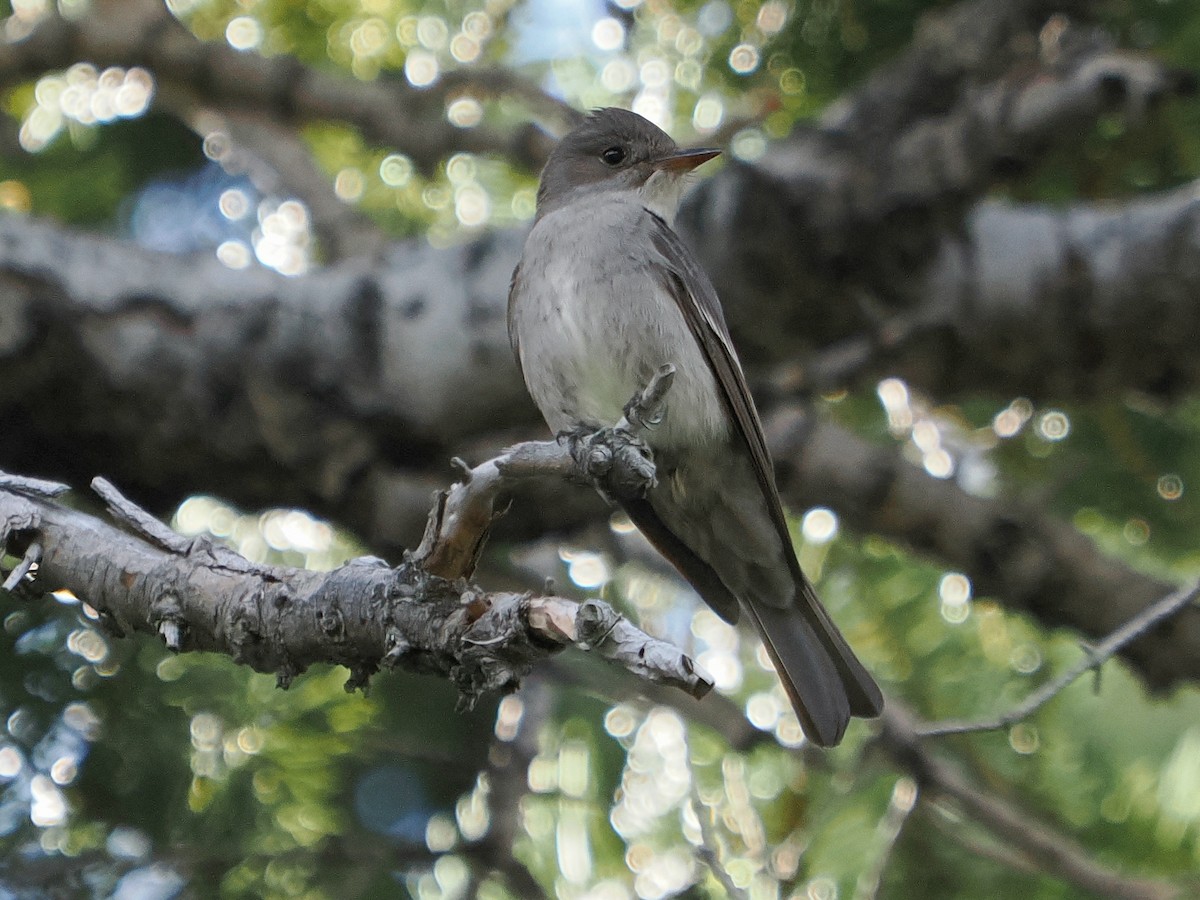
x=763, y=710
x=655, y=73
x=748, y=144
x=618, y=75
x=1023, y=737
x=465, y=112
x=432, y=32
x=792, y=81
x=608, y=34
x=11, y=762
x=771, y=16
x=1137, y=532
x=396, y=170
x=243, y=33
x=464, y=48
x=744, y=58
x=1170, y=486
x=421, y=68
x=819, y=526
x=234, y=204
x=15, y=196
x=708, y=113
x=349, y=184
x=1054, y=425
x=234, y=254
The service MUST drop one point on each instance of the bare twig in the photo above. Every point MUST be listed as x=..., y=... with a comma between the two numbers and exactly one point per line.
x=709, y=850
x=137, y=520
x=901, y=806
x=31, y=487
x=948, y=819
x=27, y=566
x=1094, y=657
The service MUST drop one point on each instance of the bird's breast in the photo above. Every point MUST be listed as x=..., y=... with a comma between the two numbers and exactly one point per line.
x=594, y=321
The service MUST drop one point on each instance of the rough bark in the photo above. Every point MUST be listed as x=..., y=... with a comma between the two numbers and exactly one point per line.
x=197, y=595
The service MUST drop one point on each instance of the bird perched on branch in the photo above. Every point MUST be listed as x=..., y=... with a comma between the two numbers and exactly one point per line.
x=604, y=295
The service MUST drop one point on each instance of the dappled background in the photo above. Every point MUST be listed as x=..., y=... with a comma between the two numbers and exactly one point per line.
x=254, y=267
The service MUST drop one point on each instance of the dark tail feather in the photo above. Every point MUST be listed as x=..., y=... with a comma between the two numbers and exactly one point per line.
x=824, y=680
x=809, y=676
x=866, y=700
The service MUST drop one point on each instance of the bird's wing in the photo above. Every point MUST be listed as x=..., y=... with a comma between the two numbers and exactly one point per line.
x=697, y=299
x=514, y=285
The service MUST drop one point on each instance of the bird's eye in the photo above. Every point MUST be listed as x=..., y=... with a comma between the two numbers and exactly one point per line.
x=613, y=156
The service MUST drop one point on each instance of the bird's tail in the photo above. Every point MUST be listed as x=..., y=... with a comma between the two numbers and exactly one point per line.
x=823, y=678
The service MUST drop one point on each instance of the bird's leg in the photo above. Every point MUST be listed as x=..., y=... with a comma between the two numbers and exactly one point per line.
x=647, y=407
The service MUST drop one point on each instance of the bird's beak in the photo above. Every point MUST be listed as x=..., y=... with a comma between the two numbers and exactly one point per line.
x=686, y=160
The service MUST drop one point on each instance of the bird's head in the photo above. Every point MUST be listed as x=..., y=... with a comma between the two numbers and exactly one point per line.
x=618, y=150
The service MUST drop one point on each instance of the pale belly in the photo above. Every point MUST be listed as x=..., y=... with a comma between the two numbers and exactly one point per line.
x=591, y=333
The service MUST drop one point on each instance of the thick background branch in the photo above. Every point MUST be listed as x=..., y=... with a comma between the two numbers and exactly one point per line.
x=391, y=112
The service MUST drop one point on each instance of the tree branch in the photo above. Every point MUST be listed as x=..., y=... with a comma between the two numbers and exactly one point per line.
x=339, y=391
x=197, y=595
x=870, y=196
x=612, y=458
x=1010, y=549
x=1051, y=851
x=389, y=112
x=1094, y=657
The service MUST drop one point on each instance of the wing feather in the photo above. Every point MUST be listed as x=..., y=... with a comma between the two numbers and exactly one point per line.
x=697, y=299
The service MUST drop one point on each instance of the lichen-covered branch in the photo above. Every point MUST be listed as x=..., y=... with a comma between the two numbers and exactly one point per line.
x=201, y=596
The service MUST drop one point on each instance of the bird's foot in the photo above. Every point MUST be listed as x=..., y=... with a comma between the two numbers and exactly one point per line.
x=619, y=464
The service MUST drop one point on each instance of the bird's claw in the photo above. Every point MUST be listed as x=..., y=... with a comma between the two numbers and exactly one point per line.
x=618, y=463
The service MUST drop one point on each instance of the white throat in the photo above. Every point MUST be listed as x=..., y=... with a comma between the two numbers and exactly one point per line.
x=661, y=194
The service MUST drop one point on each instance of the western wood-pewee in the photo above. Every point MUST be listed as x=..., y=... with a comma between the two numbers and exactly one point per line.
x=604, y=295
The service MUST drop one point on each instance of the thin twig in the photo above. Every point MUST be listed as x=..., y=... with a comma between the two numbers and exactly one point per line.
x=1051, y=851
x=31, y=487
x=708, y=851
x=904, y=800
x=29, y=561
x=1095, y=656
x=646, y=408
x=597, y=627
x=137, y=519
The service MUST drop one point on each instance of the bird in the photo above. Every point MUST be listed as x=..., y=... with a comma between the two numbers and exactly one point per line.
x=606, y=293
